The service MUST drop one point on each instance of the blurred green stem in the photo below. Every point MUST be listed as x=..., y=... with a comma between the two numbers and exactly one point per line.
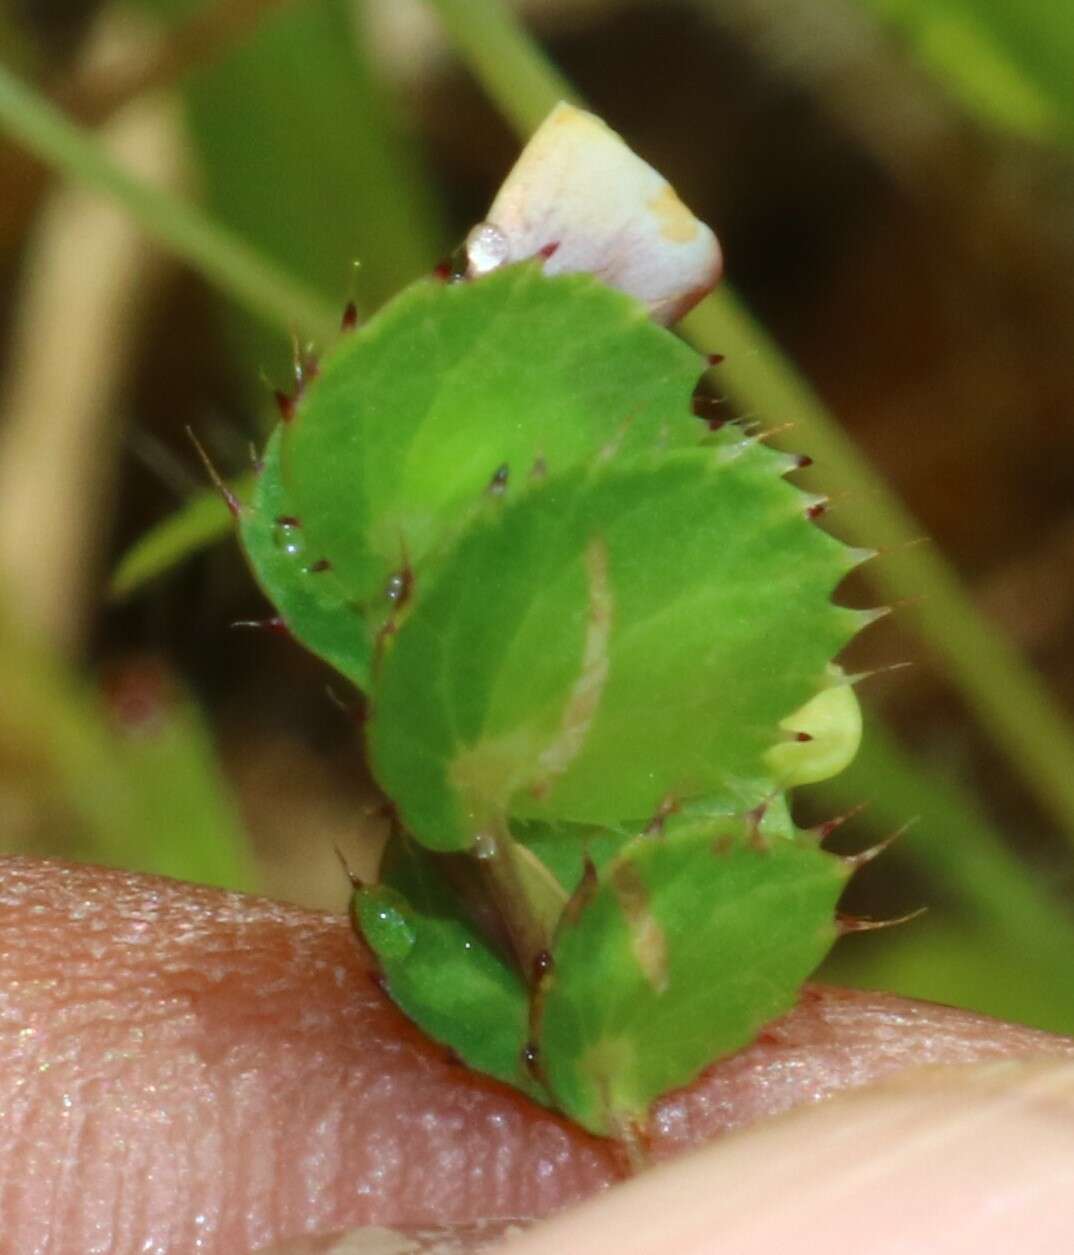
x=995, y=681
x=203, y=37
x=1003, y=692
x=222, y=258
x=200, y=521
x=517, y=75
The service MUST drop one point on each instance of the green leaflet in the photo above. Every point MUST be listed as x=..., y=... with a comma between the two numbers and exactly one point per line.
x=462, y=989
x=678, y=949
x=309, y=599
x=611, y=638
x=412, y=417
x=691, y=941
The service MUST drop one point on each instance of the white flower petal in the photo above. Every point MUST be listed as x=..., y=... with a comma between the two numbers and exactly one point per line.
x=580, y=194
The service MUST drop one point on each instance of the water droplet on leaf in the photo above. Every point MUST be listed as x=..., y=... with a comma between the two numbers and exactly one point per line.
x=386, y=924
x=288, y=538
x=487, y=249
x=485, y=846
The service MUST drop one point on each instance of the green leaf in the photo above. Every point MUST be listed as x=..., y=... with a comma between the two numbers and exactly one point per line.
x=689, y=944
x=309, y=600
x=394, y=445
x=684, y=943
x=565, y=848
x=440, y=969
x=606, y=640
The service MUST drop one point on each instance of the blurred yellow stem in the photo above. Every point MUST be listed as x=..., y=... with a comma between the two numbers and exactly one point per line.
x=88, y=276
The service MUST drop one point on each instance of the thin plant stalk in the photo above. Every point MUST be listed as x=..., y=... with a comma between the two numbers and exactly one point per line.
x=224, y=259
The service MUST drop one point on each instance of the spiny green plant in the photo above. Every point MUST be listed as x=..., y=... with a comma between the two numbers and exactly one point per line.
x=596, y=638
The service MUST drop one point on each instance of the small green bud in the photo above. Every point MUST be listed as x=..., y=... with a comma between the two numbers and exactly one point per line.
x=826, y=733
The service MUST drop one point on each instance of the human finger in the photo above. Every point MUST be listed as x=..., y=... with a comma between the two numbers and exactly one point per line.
x=185, y=1069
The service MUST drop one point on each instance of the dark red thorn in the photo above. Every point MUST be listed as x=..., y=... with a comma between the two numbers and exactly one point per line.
x=669, y=806
x=305, y=365
x=823, y=831
x=583, y=893
x=232, y=502
x=548, y=250
x=714, y=359
x=754, y=818
x=322, y=564
x=275, y=625
x=350, y=317
x=288, y=520
x=285, y=404
x=803, y=736
x=384, y=808
x=804, y=460
x=854, y=861
x=356, y=881
x=443, y=270
x=772, y=432
x=815, y=510
x=856, y=924
x=310, y=368
x=704, y=407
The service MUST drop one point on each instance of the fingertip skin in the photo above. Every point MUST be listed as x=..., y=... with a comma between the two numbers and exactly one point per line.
x=225, y=1070
x=183, y=1069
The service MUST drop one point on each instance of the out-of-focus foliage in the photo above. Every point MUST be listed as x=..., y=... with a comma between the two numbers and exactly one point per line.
x=1000, y=936
x=1007, y=60
x=202, y=521
x=130, y=773
x=302, y=156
